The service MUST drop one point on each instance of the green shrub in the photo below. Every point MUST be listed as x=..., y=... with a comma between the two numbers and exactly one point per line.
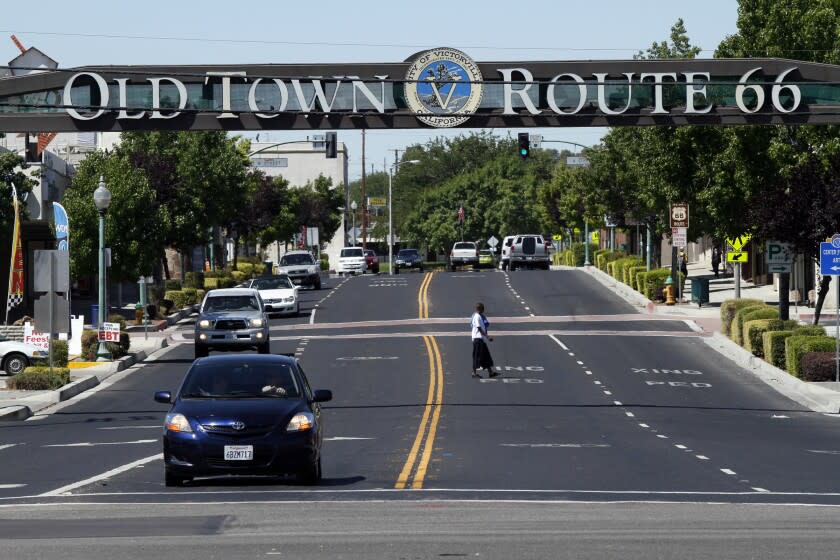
x=774, y=343
x=117, y=318
x=633, y=273
x=166, y=306
x=754, y=330
x=597, y=257
x=60, y=353
x=193, y=280
x=750, y=313
x=155, y=293
x=173, y=284
x=178, y=298
x=124, y=345
x=38, y=378
x=211, y=283
x=797, y=346
x=199, y=295
x=246, y=268
x=325, y=262
x=819, y=366
x=238, y=276
x=622, y=268
x=653, y=282
x=578, y=251
x=728, y=309
x=610, y=257
x=190, y=294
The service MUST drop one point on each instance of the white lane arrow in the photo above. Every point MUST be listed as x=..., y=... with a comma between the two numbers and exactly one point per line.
x=89, y=444
x=7, y=445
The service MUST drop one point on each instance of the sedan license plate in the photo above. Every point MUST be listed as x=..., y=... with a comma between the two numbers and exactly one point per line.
x=239, y=452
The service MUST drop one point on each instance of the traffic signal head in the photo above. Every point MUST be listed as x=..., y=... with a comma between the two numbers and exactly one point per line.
x=331, y=145
x=524, y=145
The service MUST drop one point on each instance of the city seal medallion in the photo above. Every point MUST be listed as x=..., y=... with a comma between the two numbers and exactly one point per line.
x=443, y=87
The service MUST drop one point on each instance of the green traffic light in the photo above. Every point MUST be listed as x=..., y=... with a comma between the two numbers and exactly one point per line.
x=523, y=152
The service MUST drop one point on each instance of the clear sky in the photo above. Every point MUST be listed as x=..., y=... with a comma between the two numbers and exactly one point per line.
x=256, y=31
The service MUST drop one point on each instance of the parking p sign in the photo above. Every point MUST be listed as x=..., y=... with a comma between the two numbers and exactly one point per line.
x=778, y=253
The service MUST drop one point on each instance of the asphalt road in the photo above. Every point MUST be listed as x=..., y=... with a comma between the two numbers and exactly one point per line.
x=594, y=407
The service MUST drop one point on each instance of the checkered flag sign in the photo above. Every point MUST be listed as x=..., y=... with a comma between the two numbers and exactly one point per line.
x=16, y=270
x=14, y=301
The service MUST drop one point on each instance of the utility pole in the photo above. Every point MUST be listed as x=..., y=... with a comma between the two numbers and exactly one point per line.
x=364, y=198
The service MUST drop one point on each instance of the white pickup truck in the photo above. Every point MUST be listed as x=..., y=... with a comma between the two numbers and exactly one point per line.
x=463, y=253
x=529, y=251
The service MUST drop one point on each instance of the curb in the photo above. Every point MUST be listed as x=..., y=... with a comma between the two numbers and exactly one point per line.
x=32, y=405
x=815, y=398
x=621, y=289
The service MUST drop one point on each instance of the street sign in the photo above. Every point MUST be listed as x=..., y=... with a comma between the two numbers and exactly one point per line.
x=492, y=242
x=679, y=215
x=830, y=257
x=595, y=236
x=377, y=201
x=778, y=253
x=679, y=236
x=557, y=237
x=779, y=268
x=536, y=140
x=109, y=332
x=737, y=243
x=576, y=230
x=737, y=256
x=609, y=221
x=577, y=161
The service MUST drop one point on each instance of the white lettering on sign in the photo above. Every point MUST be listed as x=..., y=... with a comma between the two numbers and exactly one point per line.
x=510, y=380
x=680, y=384
x=37, y=339
x=667, y=371
x=109, y=332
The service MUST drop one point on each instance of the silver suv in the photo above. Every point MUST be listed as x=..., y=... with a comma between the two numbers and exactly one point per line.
x=231, y=319
x=302, y=268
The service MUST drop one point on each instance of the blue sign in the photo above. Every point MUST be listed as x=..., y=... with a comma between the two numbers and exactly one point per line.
x=62, y=227
x=830, y=257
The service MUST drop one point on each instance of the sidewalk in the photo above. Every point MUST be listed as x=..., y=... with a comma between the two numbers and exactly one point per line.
x=20, y=405
x=817, y=396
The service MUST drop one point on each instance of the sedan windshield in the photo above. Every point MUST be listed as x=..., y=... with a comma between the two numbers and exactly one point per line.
x=465, y=245
x=240, y=381
x=298, y=258
x=352, y=252
x=273, y=283
x=405, y=253
x=231, y=303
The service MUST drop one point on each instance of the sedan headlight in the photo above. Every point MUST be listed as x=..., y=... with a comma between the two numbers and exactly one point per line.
x=204, y=323
x=290, y=299
x=301, y=421
x=256, y=322
x=178, y=423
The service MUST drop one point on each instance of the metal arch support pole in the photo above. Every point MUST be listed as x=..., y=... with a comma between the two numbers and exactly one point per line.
x=586, y=244
x=837, y=333
x=390, y=224
x=102, y=353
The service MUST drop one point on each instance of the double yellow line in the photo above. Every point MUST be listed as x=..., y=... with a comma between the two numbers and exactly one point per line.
x=414, y=471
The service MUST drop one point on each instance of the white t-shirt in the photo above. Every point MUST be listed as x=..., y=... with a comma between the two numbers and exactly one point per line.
x=477, y=324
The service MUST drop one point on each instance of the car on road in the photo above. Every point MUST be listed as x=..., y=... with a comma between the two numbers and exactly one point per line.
x=351, y=260
x=463, y=253
x=231, y=319
x=371, y=261
x=486, y=259
x=243, y=415
x=278, y=293
x=302, y=268
x=16, y=356
x=408, y=258
x=529, y=251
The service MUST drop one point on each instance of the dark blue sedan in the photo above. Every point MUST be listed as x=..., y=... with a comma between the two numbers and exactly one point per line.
x=243, y=415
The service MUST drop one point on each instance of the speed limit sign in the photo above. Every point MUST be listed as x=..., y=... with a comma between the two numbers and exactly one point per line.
x=679, y=215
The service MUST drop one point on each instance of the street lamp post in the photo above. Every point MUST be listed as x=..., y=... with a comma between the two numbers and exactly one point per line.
x=102, y=199
x=393, y=170
x=353, y=207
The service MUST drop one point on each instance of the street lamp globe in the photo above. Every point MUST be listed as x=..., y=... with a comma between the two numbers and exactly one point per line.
x=353, y=206
x=102, y=196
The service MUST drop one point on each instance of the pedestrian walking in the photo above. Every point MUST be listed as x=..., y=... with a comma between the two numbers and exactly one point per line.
x=715, y=259
x=683, y=262
x=481, y=353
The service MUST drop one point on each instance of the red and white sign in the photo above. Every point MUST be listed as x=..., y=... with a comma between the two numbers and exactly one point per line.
x=679, y=236
x=37, y=339
x=109, y=332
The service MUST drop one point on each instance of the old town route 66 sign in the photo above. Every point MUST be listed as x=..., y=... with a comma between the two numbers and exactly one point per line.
x=446, y=83
x=679, y=215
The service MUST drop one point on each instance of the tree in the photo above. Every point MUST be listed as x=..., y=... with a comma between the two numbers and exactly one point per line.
x=132, y=223
x=11, y=172
x=316, y=204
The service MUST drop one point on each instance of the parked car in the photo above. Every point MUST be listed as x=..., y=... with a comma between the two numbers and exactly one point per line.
x=302, y=268
x=243, y=415
x=278, y=293
x=486, y=259
x=16, y=356
x=463, y=253
x=408, y=258
x=529, y=251
x=231, y=319
x=351, y=261
x=504, y=259
x=371, y=261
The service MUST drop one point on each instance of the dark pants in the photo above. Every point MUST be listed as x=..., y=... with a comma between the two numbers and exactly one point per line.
x=481, y=355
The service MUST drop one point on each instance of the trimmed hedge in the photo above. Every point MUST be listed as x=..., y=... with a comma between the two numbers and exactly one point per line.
x=819, y=366
x=193, y=280
x=609, y=257
x=179, y=299
x=622, y=267
x=117, y=318
x=750, y=313
x=633, y=272
x=246, y=268
x=199, y=295
x=172, y=284
x=728, y=309
x=238, y=276
x=797, y=346
x=579, y=253
x=652, y=283
x=38, y=378
x=754, y=330
x=190, y=294
x=774, y=343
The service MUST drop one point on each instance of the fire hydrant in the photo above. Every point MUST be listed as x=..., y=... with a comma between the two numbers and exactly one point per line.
x=138, y=313
x=668, y=291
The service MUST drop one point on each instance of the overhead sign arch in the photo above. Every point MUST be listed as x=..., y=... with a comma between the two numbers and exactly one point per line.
x=440, y=87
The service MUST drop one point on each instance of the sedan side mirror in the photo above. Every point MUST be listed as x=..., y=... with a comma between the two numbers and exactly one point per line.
x=164, y=397
x=322, y=395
